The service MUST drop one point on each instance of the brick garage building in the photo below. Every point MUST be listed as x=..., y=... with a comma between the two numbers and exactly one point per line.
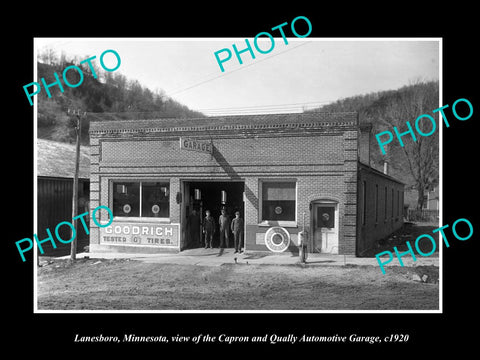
x=283, y=172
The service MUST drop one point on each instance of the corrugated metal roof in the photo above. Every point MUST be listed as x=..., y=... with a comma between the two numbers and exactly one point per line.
x=57, y=159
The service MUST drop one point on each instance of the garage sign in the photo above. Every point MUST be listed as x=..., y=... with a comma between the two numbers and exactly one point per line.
x=196, y=145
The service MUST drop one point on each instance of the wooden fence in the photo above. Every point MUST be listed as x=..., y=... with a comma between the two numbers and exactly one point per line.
x=422, y=215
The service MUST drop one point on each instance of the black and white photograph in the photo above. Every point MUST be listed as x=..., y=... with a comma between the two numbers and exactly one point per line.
x=229, y=207
x=277, y=183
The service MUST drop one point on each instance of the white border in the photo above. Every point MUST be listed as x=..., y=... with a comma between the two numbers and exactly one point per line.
x=440, y=310
x=440, y=174
x=35, y=190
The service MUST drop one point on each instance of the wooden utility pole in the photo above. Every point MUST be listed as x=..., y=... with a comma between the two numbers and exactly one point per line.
x=78, y=131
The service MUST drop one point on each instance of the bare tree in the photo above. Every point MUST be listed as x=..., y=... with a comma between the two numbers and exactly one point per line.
x=47, y=56
x=91, y=68
x=420, y=156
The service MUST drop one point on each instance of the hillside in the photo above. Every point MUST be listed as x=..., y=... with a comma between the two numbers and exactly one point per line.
x=109, y=97
x=416, y=164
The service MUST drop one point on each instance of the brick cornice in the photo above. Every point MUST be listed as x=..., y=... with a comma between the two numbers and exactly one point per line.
x=234, y=124
x=225, y=128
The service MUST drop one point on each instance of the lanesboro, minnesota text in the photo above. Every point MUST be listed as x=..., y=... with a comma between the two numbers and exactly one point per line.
x=223, y=338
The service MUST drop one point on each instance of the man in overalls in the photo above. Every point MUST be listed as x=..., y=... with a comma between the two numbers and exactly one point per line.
x=208, y=229
x=237, y=229
x=224, y=221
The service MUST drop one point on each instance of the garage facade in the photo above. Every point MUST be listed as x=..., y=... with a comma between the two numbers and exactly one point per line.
x=282, y=172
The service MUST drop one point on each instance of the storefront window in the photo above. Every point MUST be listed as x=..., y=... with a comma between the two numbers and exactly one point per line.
x=155, y=200
x=126, y=199
x=278, y=201
x=141, y=199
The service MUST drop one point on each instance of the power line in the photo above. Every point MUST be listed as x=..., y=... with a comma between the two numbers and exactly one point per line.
x=256, y=111
x=272, y=108
x=266, y=108
x=239, y=108
x=237, y=69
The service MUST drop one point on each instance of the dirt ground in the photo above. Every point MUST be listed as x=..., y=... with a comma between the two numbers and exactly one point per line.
x=134, y=285
x=408, y=232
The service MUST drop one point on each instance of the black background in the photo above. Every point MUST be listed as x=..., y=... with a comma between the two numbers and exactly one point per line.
x=432, y=333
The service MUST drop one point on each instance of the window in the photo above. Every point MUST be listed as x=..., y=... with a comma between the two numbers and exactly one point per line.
x=402, y=202
x=425, y=202
x=398, y=203
x=376, y=203
x=278, y=201
x=326, y=217
x=386, y=195
x=393, y=196
x=364, y=213
x=141, y=199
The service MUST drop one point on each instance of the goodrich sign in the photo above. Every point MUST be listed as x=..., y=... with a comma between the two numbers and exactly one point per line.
x=150, y=234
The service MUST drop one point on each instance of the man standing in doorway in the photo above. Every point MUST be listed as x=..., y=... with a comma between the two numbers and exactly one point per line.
x=237, y=228
x=224, y=221
x=194, y=225
x=208, y=229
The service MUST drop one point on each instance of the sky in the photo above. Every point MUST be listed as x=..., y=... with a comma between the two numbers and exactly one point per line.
x=302, y=74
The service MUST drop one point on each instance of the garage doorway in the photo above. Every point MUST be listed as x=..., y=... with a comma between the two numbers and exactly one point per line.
x=200, y=196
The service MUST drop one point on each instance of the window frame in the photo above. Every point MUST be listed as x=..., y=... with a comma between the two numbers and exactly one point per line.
x=286, y=223
x=393, y=203
x=139, y=218
x=398, y=205
x=364, y=207
x=385, y=208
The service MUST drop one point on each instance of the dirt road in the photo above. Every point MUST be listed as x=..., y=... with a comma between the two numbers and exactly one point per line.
x=134, y=285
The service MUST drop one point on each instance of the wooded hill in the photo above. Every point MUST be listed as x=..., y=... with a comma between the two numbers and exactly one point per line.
x=109, y=97
x=417, y=163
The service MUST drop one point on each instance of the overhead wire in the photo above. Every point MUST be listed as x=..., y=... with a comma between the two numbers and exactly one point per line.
x=267, y=108
x=280, y=108
x=175, y=92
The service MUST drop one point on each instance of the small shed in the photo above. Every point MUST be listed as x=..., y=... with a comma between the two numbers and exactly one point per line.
x=55, y=172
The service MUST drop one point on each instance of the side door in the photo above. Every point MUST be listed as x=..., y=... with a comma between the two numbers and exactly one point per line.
x=325, y=227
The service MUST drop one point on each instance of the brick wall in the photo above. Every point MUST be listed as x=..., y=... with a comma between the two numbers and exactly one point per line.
x=320, y=157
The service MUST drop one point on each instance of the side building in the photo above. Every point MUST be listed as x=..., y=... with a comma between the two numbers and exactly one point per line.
x=282, y=172
x=55, y=172
x=380, y=207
